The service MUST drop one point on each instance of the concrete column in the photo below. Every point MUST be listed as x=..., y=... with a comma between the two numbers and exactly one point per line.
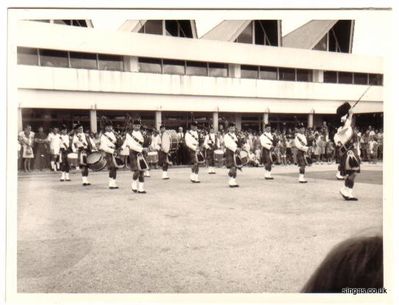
x=93, y=120
x=158, y=119
x=20, y=125
x=238, y=121
x=234, y=70
x=310, y=119
x=216, y=121
x=265, y=120
x=131, y=64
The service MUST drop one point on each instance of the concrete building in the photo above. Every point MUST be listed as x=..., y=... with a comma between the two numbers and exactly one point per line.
x=160, y=70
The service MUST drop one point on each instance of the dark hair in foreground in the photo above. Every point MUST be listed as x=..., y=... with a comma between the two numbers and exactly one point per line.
x=355, y=263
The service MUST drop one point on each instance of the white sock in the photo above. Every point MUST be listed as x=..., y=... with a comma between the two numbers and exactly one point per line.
x=67, y=176
x=141, y=187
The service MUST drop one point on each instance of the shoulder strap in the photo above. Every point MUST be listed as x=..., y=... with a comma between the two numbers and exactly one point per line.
x=137, y=140
x=301, y=141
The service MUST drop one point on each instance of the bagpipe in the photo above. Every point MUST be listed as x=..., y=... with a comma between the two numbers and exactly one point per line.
x=241, y=156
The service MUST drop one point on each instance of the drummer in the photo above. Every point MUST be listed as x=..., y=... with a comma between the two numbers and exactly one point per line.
x=192, y=141
x=81, y=145
x=135, y=141
x=231, y=144
x=162, y=155
x=108, y=146
x=211, y=143
x=64, y=150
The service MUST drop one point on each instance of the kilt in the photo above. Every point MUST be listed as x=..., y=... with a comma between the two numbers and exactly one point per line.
x=301, y=158
x=64, y=156
x=266, y=156
x=210, y=157
x=110, y=161
x=229, y=158
x=82, y=157
x=193, y=157
x=133, y=160
x=350, y=162
x=162, y=158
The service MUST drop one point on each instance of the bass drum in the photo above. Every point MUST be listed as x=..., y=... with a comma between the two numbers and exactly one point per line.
x=96, y=161
x=169, y=141
x=218, y=155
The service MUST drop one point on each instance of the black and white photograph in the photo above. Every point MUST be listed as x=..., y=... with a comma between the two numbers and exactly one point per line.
x=169, y=151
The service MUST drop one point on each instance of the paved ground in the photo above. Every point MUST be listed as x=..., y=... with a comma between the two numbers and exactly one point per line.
x=266, y=236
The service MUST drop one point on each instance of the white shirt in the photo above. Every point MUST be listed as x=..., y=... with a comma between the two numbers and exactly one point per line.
x=55, y=142
x=301, y=142
x=210, y=141
x=266, y=140
x=135, y=145
x=230, y=141
x=156, y=142
x=64, y=141
x=192, y=139
x=79, y=141
x=107, y=142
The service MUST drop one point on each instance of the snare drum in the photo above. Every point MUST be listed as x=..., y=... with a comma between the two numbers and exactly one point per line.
x=241, y=159
x=169, y=141
x=96, y=161
x=152, y=157
x=218, y=155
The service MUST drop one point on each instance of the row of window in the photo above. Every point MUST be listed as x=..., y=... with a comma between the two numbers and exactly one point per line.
x=78, y=60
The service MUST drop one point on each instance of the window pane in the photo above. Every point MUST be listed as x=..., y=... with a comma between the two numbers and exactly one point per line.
x=375, y=79
x=217, y=70
x=330, y=77
x=27, y=56
x=52, y=58
x=196, y=68
x=246, y=35
x=110, y=62
x=83, y=60
x=286, y=74
x=173, y=66
x=360, y=78
x=345, y=78
x=152, y=65
x=259, y=34
x=268, y=73
x=153, y=27
x=249, y=71
x=171, y=28
x=303, y=75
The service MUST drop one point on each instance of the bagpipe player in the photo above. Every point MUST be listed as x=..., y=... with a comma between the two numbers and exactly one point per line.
x=301, y=144
x=266, y=141
x=231, y=144
x=108, y=141
x=211, y=143
x=349, y=161
x=192, y=142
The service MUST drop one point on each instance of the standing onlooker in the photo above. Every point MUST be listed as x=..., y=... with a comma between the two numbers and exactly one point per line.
x=26, y=138
x=330, y=152
x=373, y=149
x=380, y=141
x=41, y=148
x=54, y=140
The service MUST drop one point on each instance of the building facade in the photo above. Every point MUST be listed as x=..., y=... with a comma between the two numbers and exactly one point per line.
x=160, y=70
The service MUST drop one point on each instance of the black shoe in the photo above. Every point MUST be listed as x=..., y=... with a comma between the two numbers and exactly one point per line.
x=167, y=178
x=143, y=192
x=86, y=184
x=68, y=180
x=303, y=182
x=134, y=191
x=269, y=178
x=234, y=185
x=113, y=187
x=62, y=180
x=348, y=198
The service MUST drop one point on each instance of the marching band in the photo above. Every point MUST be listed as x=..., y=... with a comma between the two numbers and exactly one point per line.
x=211, y=148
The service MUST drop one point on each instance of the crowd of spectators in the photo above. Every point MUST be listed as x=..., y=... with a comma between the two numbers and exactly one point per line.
x=35, y=149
